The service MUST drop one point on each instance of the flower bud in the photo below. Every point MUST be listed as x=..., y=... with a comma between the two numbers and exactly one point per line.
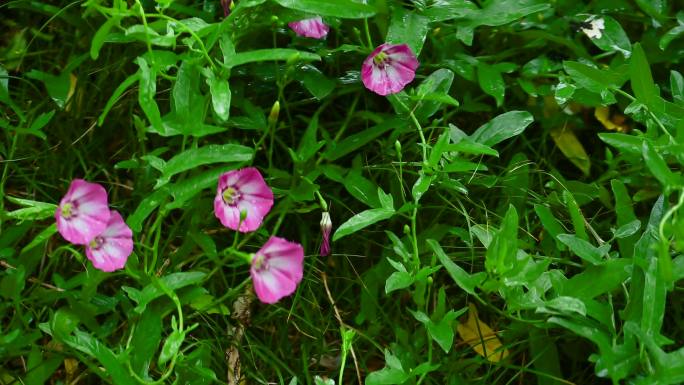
x=326, y=228
x=273, y=115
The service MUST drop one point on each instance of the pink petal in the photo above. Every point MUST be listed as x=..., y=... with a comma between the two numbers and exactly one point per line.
x=399, y=70
x=313, y=28
x=255, y=198
x=116, y=244
x=282, y=270
x=89, y=212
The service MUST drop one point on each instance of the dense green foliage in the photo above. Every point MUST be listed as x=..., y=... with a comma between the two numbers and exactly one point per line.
x=529, y=177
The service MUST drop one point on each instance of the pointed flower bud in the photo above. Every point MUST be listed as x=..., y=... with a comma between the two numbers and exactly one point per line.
x=275, y=112
x=326, y=228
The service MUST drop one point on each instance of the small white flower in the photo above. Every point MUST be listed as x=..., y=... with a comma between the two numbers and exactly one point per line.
x=592, y=27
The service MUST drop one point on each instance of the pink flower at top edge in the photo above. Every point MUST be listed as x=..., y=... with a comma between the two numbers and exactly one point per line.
x=389, y=68
x=277, y=269
x=244, y=191
x=83, y=212
x=314, y=28
x=326, y=228
x=109, y=251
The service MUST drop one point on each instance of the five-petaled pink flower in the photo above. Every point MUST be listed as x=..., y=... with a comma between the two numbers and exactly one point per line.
x=277, y=269
x=109, y=250
x=314, y=28
x=326, y=227
x=83, y=212
x=242, y=199
x=389, y=68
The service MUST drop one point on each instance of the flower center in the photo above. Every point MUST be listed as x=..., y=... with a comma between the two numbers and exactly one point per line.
x=96, y=243
x=66, y=210
x=230, y=195
x=260, y=263
x=381, y=59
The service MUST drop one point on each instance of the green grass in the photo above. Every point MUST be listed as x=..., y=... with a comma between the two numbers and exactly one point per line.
x=540, y=229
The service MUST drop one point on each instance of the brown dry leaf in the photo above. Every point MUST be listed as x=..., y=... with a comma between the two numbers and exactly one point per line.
x=71, y=369
x=572, y=148
x=481, y=337
x=602, y=114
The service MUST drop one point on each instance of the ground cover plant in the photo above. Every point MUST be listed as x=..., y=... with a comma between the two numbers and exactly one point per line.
x=341, y=192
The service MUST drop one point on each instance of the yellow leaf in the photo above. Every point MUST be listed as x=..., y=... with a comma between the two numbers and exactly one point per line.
x=71, y=369
x=602, y=114
x=571, y=147
x=481, y=337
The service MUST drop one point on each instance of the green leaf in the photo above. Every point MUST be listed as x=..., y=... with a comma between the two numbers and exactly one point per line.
x=57, y=86
x=584, y=249
x=346, y=9
x=407, y=27
x=656, y=164
x=575, y=215
x=220, y=96
x=495, y=13
x=677, y=86
x=628, y=229
x=144, y=209
x=209, y=154
x=464, y=280
x=625, y=214
x=171, y=345
x=358, y=140
x=421, y=186
x=147, y=91
x=626, y=143
x=670, y=35
x=392, y=373
x=549, y=222
x=501, y=253
x=432, y=93
x=502, y=127
x=190, y=187
x=315, y=82
x=641, y=79
x=398, y=280
x=593, y=79
x=272, y=54
x=152, y=291
x=118, y=92
x=101, y=35
x=362, y=220
x=33, y=210
x=145, y=341
x=613, y=38
x=597, y=280
x=491, y=82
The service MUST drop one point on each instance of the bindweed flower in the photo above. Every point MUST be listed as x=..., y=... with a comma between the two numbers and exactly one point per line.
x=593, y=27
x=109, y=251
x=314, y=28
x=389, y=68
x=242, y=199
x=83, y=213
x=277, y=269
x=326, y=227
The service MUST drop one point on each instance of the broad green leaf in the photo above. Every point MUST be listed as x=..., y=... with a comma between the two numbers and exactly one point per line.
x=502, y=127
x=670, y=35
x=152, y=291
x=362, y=220
x=209, y=154
x=597, y=280
x=624, y=211
x=594, y=79
x=57, y=86
x=147, y=91
x=220, y=96
x=575, y=215
x=346, y=9
x=432, y=93
x=494, y=13
x=392, y=373
x=641, y=79
x=568, y=305
x=677, y=86
x=626, y=143
x=491, y=82
x=191, y=187
x=145, y=208
x=398, y=280
x=101, y=35
x=660, y=170
x=464, y=280
x=421, y=186
x=171, y=345
x=467, y=146
x=407, y=27
x=584, y=249
x=272, y=54
x=33, y=210
x=613, y=37
x=358, y=140
x=501, y=253
x=628, y=229
x=145, y=341
x=315, y=82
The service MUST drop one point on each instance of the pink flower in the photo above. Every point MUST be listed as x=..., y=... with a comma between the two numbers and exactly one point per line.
x=83, y=213
x=110, y=250
x=389, y=68
x=242, y=199
x=314, y=28
x=326, y=227
x=277, y=269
